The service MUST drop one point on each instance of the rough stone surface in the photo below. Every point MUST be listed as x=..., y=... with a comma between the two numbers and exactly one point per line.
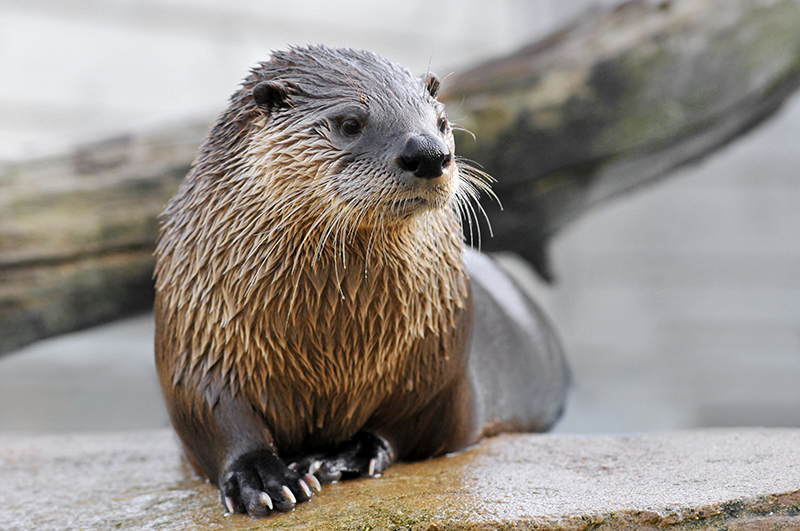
x=709, y=479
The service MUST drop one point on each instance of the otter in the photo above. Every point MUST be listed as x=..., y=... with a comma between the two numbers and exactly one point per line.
x=319, y=315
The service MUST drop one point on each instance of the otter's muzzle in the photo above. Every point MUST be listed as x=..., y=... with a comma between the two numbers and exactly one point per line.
x=426, y=156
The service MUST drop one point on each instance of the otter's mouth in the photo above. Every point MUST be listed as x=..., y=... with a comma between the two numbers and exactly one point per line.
x=406, y=207
x=421, y=196
x=410, y=202
x=413, y=205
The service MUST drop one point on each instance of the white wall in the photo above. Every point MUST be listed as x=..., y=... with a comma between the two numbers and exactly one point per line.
x=680, y=305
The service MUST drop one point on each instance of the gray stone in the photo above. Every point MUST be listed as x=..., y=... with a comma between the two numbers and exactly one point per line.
x=707, y=479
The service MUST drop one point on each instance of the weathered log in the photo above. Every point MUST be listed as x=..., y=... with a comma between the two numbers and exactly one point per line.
x=621, y=97
x=617, y=99
x=77, y=231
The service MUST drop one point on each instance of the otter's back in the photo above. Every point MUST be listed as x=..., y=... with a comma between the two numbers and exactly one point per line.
x=517, y=368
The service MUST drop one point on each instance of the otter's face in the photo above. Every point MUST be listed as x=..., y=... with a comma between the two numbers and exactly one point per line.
x=380, y=142
x=398, y=152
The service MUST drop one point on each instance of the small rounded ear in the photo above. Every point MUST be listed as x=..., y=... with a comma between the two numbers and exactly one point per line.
x=270, y=94
x=432, y=84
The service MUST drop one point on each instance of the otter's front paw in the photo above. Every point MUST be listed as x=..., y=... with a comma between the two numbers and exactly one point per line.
x=259, y=482
x=365, y=455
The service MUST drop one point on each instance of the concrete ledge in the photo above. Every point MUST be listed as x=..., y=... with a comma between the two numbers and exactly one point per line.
x=710, y=479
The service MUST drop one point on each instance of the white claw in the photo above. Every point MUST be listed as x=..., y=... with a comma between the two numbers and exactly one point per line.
x=315, y=465
x=372, y=464
x=288, y=494
x=304, y=486
x=292, y=466
x=229, y=504
x=312, y=480
x=265, y=500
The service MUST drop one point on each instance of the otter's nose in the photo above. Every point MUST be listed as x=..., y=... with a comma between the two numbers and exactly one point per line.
x=425, y=156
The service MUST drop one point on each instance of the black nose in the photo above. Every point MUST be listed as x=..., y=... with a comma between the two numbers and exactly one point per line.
x=425, y=156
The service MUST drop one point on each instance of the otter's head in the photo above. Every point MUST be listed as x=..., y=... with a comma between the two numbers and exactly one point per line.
x=348, y=136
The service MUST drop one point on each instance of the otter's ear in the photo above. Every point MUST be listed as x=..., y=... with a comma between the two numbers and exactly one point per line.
x=270, y=94
x=432, y=84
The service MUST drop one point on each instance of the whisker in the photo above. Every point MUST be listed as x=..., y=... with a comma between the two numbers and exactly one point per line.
x=463, y=213
x=457, y=127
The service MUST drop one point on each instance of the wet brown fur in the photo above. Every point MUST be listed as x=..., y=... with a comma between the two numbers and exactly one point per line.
x=325, y=309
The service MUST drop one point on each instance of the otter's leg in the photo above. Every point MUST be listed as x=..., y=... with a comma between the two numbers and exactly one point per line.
x=445, y=424
x=517, y=368
x=229, y=442
x=366, y=454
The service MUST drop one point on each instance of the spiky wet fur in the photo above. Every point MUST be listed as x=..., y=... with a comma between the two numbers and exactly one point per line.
x=318, y=299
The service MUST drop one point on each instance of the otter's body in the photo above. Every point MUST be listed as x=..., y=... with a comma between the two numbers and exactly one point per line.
x=317, y=314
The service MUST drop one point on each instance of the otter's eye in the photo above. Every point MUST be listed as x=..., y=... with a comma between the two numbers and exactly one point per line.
x=351, y=127
x=443, y=125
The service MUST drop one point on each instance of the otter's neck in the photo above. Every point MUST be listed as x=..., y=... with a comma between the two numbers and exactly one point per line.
x=414, y=271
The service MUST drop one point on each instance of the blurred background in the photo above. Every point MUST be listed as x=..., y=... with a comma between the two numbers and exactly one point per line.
x=678, y=305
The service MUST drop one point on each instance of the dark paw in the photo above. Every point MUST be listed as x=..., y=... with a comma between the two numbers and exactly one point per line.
x=365, y=455
x=259, y=482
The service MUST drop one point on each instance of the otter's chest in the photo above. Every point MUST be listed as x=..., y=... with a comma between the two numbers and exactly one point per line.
x=353, y=345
